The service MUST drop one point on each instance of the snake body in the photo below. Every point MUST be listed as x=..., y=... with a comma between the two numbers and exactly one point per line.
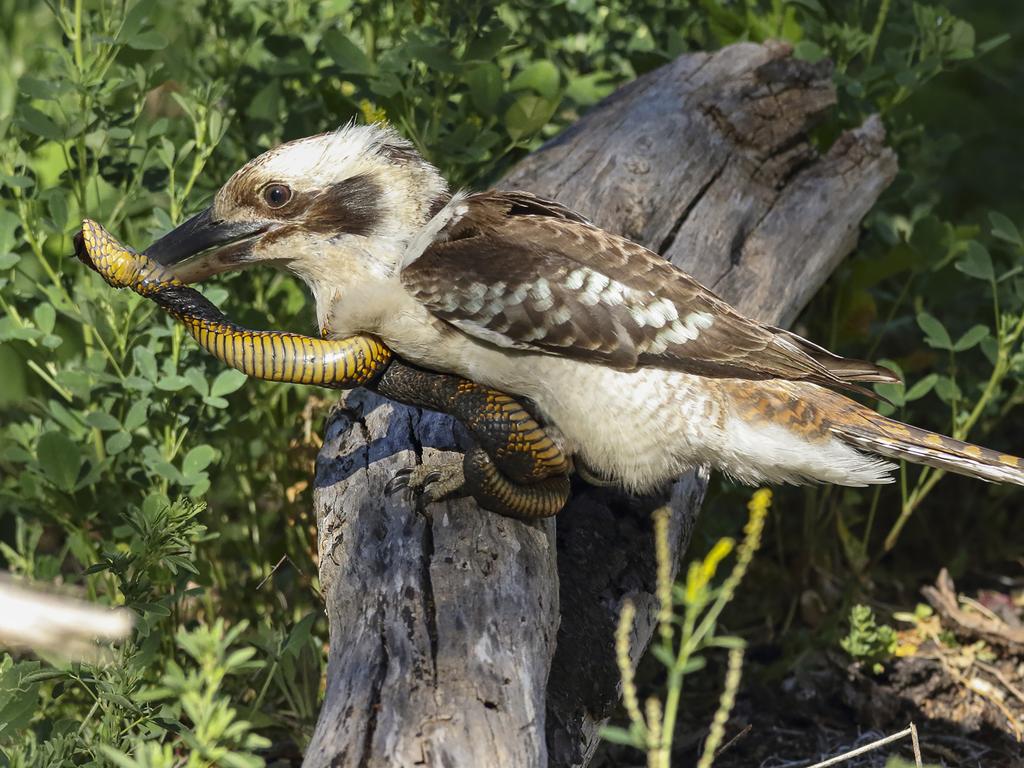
x=517, y=470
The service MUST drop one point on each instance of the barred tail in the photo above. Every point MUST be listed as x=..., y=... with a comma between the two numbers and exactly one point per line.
x=873, y=432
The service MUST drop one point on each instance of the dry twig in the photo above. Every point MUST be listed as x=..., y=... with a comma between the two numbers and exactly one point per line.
x=991, y=629
x=911, y=731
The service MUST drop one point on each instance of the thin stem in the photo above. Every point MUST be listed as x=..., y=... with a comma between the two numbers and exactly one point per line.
x=79, y=56
x=927, y=481
x=876, y=33
x=50, y=380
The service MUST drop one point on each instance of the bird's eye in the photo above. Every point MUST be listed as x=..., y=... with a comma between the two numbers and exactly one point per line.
x=276, y=195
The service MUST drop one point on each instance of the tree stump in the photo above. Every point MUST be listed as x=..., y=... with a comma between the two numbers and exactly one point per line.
x=462, y=638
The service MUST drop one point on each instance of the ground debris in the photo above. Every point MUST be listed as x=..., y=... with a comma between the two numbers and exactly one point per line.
x=970, y=617
x=958, y=675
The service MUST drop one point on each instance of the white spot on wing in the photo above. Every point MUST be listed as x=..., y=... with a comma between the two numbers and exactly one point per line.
x=596, y=282
x=561, y=316
x=574, y=281
x=516, y=297
x=614, y=294
x=540, y=289
x=680, y=332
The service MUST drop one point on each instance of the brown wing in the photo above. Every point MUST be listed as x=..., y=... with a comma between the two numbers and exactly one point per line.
x=525, y=273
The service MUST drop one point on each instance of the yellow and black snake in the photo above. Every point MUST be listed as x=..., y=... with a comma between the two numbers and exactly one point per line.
x=516, y=469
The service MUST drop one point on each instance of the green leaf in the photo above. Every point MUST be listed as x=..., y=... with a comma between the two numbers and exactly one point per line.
x=664, y=655
x=58, y=205
x=38, y=123
x=145, y=361
x=134, y=20
x=44, y=316
x=437, y=56
x=992, y=43
x=197, y=460
x=59, y=459
x=19, y=698
x=617, y=735
x=1005, y=229
x=807, y=50
x=971, y=338
x=485, y=88
x=148, y=41
x=528, y=115
x=16, y=181
x=44, y=90
x=541, y=77
x=936, y=334
x=589, y=89
x=976, y=262
x=488, y=45
x=118, y=758
x=227, y=381
x=892, y=391
x=299, y=635
x=168, y=471
x=693, y=664
x=172, y=383
x=197, y=379
x=136, y=415
x=346, y=54
x=102, y=420
x=922, y=387
x=728, y=641
x=117, y=442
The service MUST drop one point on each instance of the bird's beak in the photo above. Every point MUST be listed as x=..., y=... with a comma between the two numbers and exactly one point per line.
x=205, y=246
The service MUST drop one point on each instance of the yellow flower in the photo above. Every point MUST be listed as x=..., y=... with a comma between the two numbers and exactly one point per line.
x=371, y=112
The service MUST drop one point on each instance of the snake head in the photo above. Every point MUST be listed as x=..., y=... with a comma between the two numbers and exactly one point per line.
x=81, y=251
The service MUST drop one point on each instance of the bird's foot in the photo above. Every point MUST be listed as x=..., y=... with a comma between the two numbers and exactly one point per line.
x=428, y=482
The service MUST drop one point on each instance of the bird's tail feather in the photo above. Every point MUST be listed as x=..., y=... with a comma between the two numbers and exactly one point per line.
x=880, y=435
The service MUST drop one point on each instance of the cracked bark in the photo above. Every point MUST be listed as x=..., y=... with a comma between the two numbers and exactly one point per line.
x=465, y=638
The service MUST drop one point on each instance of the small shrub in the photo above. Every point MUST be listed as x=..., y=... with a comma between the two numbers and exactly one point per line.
x=869, y=642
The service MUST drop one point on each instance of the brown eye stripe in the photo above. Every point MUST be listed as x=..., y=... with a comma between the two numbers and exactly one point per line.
x=353, y=206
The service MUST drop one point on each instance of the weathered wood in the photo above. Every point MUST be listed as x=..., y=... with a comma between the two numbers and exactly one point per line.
x=443, y=629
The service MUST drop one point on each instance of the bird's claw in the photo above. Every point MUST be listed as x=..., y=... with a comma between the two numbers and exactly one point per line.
x=398, y=481
x=427, y=483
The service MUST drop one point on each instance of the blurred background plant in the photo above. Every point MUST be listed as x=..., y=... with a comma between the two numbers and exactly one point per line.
x=115, y=430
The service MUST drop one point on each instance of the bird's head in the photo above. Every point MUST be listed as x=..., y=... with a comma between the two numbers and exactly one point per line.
x=329, y=207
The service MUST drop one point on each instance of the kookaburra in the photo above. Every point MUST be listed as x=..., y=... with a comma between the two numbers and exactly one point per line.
x=639, y=371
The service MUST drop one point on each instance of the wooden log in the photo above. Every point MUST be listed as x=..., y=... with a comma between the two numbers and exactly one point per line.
x=463, y=638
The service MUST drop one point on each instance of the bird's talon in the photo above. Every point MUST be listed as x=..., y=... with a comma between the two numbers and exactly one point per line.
x=427, y=483
x=398, y=481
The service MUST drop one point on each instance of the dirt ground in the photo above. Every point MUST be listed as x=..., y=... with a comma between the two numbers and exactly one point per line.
x=959, y=678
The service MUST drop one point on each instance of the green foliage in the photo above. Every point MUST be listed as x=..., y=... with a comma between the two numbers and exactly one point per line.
x=935, y=290
x=217, y=736
x=136, y=468
x=688, y=616
x=115, y=430
x=868, y=641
